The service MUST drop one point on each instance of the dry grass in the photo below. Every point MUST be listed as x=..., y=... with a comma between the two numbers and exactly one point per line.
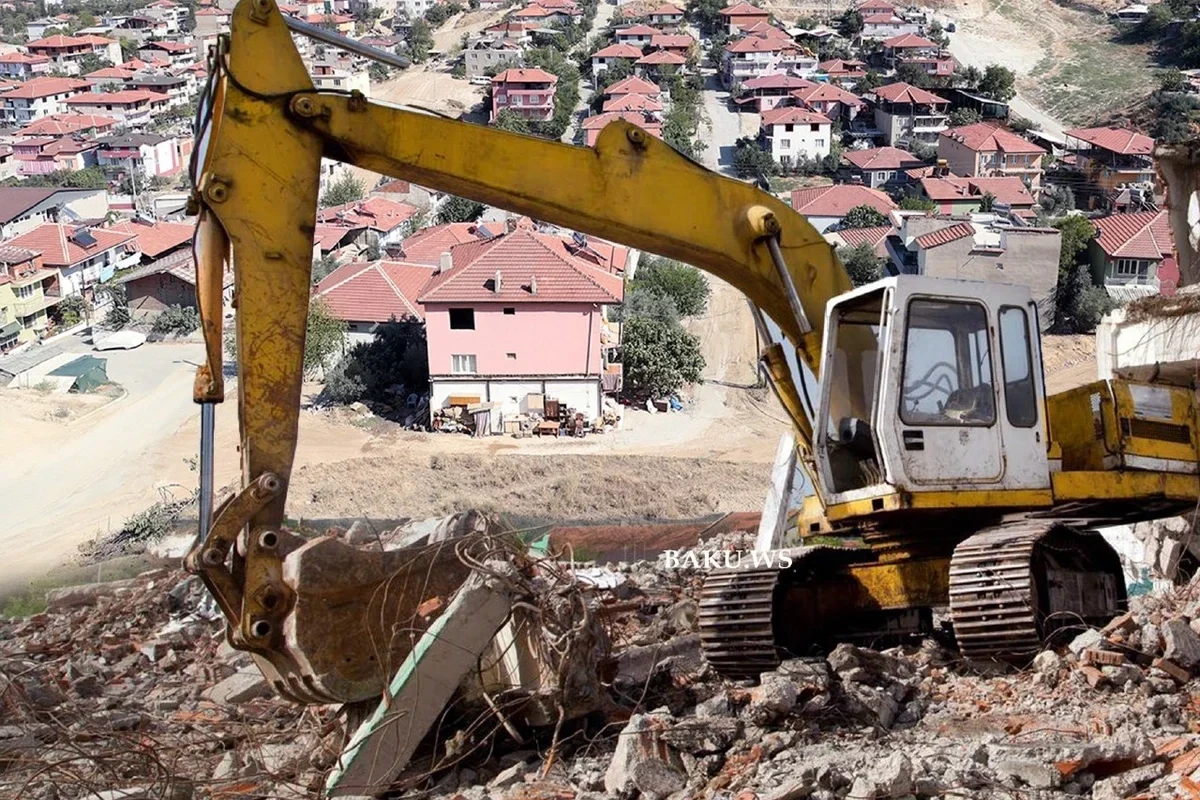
x=565, y=487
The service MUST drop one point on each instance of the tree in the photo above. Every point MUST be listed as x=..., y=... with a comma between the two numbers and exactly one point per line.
x=378, y=73
x=459, y=209
x=916, y=202
x=863, y=216
x=118, y=315
x=326, y=336
x=751, y=161
x=934, y=32
x=861, y=263
x=968, y=78
x=618, y=70
x=1056, y=200
x=1172, y=80
x=964, y=116
x=649, y=304
x=850, y=24
x=90, y=62
x=998, y=83
x=509, y=120
x=129, y=48
x=1078, y=304
x=420, y=40
x=706, y=13
x=395, y=361
x=987, y=202
x=1021, y=125
x=71, y=310
x=345, y=189
x=323, y=265
x=869, y=82
x=658, y=357
x=436, y=14
x=684, y=284
x=913, y=74
x=924, y=151
x=1176, y=115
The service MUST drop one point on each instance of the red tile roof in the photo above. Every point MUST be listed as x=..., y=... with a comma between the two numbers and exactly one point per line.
x=61, y=124
x=427, y=245
x=173, y=47
x=907, y=93
x=525, y=76
x=60, y=41
x=777, y=81
x=875, y=4
x=45, y=87
x=667, y=40
x=760, y=44
x=533, y=268
x=125, y=98
x=158, y=238
x=375, y=291
x=618, y=51
x=842, y=65
x=534, y=12
x=945, y=235
x=1117, y=140
x=111, y=72
x=875, y=237
x=328, y=237
x=23, y=58
x=1146, y=234
x=984, y=137
x=666, y=9
x=638, y=30
x=632, y=102
x=660, y=57
x=835, y=201
x=880, y=19
x=909, y=41
x=889, y=158
x=377, y=213
x=1009, y=190
x=632, y=85
x=742, y=10
x=791, y=114
x=767, y=30
x=826, y=93
x=598, y=121
x=53, y=241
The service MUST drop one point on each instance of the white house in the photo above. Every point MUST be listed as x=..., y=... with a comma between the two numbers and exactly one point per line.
x=791, y=134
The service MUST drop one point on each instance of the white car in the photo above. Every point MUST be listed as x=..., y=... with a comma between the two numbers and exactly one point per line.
x=479, y=80
x=118, y=340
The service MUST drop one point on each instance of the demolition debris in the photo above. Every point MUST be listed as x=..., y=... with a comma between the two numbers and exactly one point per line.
x=127, y=690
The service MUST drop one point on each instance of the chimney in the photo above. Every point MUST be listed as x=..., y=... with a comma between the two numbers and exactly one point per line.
x=533, y=284
x=445, y=262
x=510, y=224
x=496, y=283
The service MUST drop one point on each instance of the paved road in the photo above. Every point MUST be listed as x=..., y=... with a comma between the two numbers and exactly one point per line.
x=725, y=127
x=87, y=475
x=604, y=14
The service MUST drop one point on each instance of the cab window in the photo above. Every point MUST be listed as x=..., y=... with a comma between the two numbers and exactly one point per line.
x=947, y=365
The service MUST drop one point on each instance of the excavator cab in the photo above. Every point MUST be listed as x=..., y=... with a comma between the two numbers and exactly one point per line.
x=930, y=386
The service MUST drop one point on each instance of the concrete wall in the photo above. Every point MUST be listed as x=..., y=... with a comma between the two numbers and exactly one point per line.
x=961, y=159
x=538, y=339
x=508, y=395
x=1159, y=341
x=153, y=293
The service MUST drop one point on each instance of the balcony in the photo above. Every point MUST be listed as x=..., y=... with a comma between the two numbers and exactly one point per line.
x=30, y=306
x=37, y=276
x=923, y=124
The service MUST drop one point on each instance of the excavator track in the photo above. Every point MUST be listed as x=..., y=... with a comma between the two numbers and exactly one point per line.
x=1014, y=586
x=736, y=611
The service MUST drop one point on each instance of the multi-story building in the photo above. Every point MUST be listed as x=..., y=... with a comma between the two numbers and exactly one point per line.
x=886, y=26
x=528, y=93
x=768, y=91
x=639, y=36
x=1109, y=157
x=758, y=55
x=38, y=98
x=43, y=155
x=907, y=114
x=82, y=256
x=826, y=207
x=1133, y=250
x=905, y=45
x=740, y=16
x=660, y=63
x=936, y=66
x=985, y=150
x=57, y=125
x=131, y=107
x=491, y=55
x=878, y=167
x=66, y=51
x=844, y=72
x=109, y=78
x=603, y=58
x=142, y=27
x=666, y=15
x=329, y=78
x=149, y=155
x=955, y=195
x=18, y=66
x=793, y=134
x=179, y=89
x=23, y=208
x=177, y=54
x=28, y=291
x=175, y=14
x=825, y=98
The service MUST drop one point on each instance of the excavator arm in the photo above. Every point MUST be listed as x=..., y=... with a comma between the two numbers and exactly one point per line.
x=262, y=130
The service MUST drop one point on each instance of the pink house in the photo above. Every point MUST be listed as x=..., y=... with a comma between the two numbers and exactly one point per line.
x=526, y=92
x=518, y=314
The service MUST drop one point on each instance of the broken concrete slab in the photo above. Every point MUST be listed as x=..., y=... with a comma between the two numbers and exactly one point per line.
x=643, y=760
x=241, y=687
x=1181, y=644
x=86, y=594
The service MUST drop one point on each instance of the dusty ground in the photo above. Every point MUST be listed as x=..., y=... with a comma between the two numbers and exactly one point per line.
x=1069, y=361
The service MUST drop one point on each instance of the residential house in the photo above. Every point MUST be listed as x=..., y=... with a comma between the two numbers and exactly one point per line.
x=515, y=315
x=329, y=78
x=369, y=294
x=168, y=281
x=141, y=27
x=1134, y=250
x=605, y=57
x=24, y=208
x=987, y=150
x=82, y=256
x=845, y=72
x=28, y=293
x=740, y=16
x=543, y=17
x=36, y=29
x=1109, y=157
x=108, y=78
x=131, y=107
x=528, y=93
x=869, y=7
x=886, y=26
x=639, y=36
x=935, y=66
x=792, y=135
x=826, y=206
x=179, y=89
x=678, y=43
x=175, y=14
x=879, y=167
x=633, y=102
x=43, y=155
x=758, y=55
x=412, y=9
x=39, y=97
x=988, y=108
x=57, y=125
x=66, y=51
x=906, y=114
x=768, y=91
x=8, y=163
x=875, y=238
x=660, y=63
x=907, y=45
x=634, y=85
x=666, y=15
x=150, y=155
x=156, y=239
x=427, y=245
x=339, y=23
x=832, y=101
x=491, y=55
x=955, y=195
x=387, y=221
x=977, y=249
x=591, y=126
x=18, y=66
x=177, y=54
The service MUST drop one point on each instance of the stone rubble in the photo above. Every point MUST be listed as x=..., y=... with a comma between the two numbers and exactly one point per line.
x=129, y=677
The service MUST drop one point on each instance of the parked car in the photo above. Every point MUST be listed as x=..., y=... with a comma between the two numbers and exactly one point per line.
x=118, y=340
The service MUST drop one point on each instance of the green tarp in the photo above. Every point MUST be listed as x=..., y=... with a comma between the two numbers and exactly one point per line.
x=89, y=373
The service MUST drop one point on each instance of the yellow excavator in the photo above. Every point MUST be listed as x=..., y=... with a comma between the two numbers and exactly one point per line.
x=942, y=473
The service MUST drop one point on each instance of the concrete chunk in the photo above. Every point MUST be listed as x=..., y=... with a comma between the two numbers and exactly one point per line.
x=84, y=595
x=1181, y=644
x=240, y=687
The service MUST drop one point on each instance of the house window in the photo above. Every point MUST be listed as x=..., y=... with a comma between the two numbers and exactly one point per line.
x=462, y=319
x=508, y=312
x=816, y=127
x=462, y=364
x=819, y=142
x=24, y=291
x=512, y=356
x=1131, y=267
x=786, y=144
x=788, y=127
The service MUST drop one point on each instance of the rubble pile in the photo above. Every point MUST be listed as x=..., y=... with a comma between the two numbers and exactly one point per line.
x=126, y=690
